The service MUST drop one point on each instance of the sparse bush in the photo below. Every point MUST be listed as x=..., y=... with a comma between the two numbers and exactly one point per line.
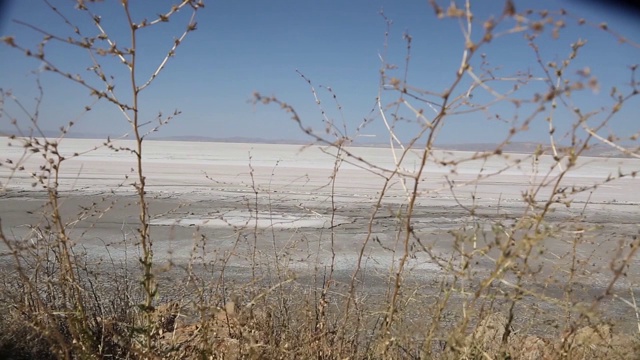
x=509, y=278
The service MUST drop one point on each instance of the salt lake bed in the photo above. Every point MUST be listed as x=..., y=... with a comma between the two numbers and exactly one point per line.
x=285, y=205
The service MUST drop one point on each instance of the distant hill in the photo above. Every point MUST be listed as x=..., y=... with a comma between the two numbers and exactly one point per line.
x=596, y=150
x=54, y=134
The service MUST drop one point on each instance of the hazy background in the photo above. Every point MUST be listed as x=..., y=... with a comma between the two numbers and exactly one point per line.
x=246, y=46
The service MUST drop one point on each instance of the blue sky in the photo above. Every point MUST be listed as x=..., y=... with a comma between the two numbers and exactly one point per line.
x=246, y=46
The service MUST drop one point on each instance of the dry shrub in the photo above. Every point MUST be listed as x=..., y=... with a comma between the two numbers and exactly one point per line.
x=19, y=340
x=493, y=285
x=589, y=342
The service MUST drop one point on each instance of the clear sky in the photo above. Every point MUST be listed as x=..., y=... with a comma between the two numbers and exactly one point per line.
x=255, y=45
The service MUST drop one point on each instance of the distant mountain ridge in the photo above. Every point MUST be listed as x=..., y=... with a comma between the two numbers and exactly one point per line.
x=596, y=150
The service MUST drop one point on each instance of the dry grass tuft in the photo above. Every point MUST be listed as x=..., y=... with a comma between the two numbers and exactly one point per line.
x=514, y=279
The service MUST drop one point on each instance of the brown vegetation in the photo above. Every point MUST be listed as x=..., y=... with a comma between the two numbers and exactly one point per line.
x=58, y=302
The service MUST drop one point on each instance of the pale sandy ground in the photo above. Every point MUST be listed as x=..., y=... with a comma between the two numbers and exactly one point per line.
x=209, y=189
